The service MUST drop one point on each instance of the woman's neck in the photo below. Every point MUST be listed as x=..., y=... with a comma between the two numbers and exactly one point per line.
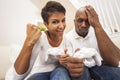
x=53, y=39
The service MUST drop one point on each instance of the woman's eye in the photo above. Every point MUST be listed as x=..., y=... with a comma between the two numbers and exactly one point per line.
x=63, y=20
x=55, y=22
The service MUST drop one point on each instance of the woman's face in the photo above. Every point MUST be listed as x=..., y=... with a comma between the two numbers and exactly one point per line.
x=56, y=24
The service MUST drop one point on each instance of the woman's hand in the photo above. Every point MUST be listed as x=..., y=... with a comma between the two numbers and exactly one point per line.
x=33, y=34
x=63, y=58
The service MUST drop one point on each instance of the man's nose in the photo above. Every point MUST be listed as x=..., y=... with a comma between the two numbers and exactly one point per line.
x=83, y=24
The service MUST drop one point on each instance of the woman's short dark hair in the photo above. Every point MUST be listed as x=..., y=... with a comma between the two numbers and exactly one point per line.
x=51, y=7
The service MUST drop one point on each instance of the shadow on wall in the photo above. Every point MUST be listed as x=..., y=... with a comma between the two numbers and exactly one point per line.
x=116, y=38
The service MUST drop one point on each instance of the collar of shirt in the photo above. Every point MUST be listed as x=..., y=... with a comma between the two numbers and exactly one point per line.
x=76, y=36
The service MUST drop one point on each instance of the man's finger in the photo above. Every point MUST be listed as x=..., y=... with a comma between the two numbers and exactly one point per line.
x=76, y=70
x=75, y=74
x=75, y=65
x=64, y=56
x=75, y=60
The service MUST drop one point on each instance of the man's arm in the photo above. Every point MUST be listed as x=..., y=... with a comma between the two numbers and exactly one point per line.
x=109, y=52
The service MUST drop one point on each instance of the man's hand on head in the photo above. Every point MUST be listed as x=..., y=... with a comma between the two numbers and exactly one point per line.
x=92, y=16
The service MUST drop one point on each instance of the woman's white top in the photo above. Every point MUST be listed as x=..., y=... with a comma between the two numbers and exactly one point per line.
x=38, y=62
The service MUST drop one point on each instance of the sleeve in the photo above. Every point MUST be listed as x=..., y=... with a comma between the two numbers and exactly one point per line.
x=13, y=75
x=53, y=55
x=69, y=46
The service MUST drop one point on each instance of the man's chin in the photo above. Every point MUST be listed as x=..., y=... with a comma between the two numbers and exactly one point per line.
x=83, y=34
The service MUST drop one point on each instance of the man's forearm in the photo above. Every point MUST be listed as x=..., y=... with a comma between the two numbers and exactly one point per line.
x=109, y=52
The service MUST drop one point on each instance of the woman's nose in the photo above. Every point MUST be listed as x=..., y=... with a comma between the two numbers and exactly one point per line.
x=62, y=25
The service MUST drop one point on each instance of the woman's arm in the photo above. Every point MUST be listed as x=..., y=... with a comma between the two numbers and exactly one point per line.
x=22, y=63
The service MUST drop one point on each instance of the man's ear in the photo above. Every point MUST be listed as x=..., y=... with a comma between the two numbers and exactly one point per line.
x=74, y=20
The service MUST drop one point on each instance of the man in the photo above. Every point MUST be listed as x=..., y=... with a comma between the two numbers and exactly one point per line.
x=95, y=37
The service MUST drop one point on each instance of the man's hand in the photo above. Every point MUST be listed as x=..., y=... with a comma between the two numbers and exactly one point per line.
x=75, y=66
x=92, y=16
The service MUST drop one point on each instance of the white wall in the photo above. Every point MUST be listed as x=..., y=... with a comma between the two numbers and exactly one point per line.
x=107, y=10
x=14, y=15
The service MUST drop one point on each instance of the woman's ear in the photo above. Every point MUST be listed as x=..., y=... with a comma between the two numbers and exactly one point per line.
x=45, y=24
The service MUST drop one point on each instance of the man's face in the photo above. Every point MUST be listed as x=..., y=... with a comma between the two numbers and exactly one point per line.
x=81, y=23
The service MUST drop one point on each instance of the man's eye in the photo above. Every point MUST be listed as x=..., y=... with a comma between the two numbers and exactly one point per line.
x=79, y=20
x=87, y=22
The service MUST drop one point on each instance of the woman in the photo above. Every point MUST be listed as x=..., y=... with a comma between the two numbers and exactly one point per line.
x=31, y=60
